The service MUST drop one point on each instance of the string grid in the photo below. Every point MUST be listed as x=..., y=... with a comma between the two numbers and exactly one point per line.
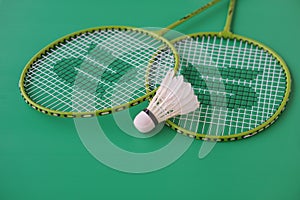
x=94, y=70
x=239, y=85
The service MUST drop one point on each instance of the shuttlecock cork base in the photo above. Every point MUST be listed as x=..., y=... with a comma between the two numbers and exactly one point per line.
x=173, y=97
x=145, y=121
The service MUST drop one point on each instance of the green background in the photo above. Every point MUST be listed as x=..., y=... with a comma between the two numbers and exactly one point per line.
x=42, y=157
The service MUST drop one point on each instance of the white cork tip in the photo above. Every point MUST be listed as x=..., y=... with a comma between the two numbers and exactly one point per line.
x=143, y=122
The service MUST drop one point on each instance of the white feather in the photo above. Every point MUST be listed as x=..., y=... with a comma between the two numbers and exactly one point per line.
x=174, y=97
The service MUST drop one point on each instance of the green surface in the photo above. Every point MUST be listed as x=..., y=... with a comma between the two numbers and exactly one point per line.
x=42, y=157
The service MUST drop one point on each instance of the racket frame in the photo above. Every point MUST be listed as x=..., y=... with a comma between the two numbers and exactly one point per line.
x=148, y=95
x=105, y=111
x=227, y=34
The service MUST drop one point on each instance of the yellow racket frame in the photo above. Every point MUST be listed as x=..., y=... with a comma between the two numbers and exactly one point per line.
x=157, y=35
x=227, y=34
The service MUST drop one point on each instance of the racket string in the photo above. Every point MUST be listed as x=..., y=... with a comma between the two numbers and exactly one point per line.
x=85, y=61
x=219, y=50
x=48, y=85
x=240, y=85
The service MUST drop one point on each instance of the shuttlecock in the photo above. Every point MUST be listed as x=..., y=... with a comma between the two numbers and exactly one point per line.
x=173, y=97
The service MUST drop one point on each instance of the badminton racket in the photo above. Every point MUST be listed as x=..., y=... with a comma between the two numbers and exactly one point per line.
x=242, y=85
x=96, y=71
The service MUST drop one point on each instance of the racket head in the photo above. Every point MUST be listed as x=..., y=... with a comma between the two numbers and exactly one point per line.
x=67, y=58
x=242, y=85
